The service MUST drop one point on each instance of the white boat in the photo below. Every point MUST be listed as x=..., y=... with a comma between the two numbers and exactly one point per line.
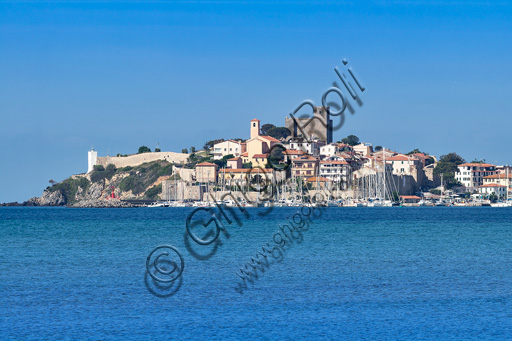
x=156, y=204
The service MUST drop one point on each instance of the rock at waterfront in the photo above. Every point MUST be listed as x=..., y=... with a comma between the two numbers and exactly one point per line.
x=54, y=198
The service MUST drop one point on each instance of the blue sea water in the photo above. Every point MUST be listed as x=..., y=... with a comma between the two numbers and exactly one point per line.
x=379, y=273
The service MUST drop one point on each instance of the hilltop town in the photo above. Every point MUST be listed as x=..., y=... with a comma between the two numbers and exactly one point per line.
x=299, y=161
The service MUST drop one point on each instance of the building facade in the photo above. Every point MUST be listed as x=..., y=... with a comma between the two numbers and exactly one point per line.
x=318, y=126
x=224, y=148
x=471, y=175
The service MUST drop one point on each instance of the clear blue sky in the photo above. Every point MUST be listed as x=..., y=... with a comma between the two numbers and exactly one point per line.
x=118, y=75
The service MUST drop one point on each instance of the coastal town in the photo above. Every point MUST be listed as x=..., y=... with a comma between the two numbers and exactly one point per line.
x=300, y=164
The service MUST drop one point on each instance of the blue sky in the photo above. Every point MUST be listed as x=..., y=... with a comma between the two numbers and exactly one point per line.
x=118, y=75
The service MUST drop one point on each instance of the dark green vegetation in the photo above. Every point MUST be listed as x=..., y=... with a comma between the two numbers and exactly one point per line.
x=140, y=177
x=276, y=132
x=138, y=180
x=194, y=159
x=69, y=187
x=351, y=140
x=447, y=166
x=143, y=149
x=153, y=192
x=100, y=173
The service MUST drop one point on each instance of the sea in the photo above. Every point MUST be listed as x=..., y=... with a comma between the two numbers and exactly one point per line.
x=427, y=273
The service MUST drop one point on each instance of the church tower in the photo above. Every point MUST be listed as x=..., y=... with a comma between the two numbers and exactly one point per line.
x=255, y=128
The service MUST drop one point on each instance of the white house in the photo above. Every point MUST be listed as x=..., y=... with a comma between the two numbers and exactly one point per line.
x=471, y=175
x=335, y=169
x=310, y=148
x=224, y=148
x=487, y=189
x=404, y=164
x=330, y=149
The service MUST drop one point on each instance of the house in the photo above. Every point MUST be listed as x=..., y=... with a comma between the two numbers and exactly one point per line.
x=240, y=176
x=234, y=163
x=335, y=169
x=224, y=148
x=498, y=179
x=364, y=149
x=383, y=154
x=206, y=172
x=471, y=175
x=292, y=154
x=329, y=150
x=488, y=189
x=257, y=145
x=404, y=164
x=309, y=147
x=305, y=166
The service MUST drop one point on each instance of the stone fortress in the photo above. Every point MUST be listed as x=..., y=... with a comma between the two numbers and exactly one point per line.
x=134, y=160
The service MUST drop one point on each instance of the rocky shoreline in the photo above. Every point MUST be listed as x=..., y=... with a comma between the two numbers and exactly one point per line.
x=93, y=203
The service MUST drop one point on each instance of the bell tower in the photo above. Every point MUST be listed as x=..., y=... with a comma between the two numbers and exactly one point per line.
x=255, y=128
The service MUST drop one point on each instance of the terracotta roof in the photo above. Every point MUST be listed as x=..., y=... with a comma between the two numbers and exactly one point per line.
x=260, y=156
x=234, y=159
x=206, y=164
x=492, y=185
x=498, y=176
x=399, y=158
x=421, y=156
x=269, y=138
x=335, y=162
x=476, y=165
x=305, y=158
x=245, y=154
x=255, y=119
x=409, y=197
x=293, y=152
x=253, y=171
x=318, y=178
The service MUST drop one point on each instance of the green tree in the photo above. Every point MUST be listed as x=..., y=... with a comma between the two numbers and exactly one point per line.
x=266, y=128
x=192, y=149
x=157, y=150
x=247, y=165
x=144, y=149
x=184, y=151
x=378, y=148
x=493, y=197
x=278, y=132
x=447, y=166
x=351, y=140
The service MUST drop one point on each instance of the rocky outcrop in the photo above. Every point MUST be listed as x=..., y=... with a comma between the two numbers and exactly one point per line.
x=54, y=198
x=94, y=189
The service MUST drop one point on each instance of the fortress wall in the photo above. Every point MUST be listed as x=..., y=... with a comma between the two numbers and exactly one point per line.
x=138, y=159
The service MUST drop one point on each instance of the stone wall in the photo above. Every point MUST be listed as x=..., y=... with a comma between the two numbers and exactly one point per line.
x=138, y=159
